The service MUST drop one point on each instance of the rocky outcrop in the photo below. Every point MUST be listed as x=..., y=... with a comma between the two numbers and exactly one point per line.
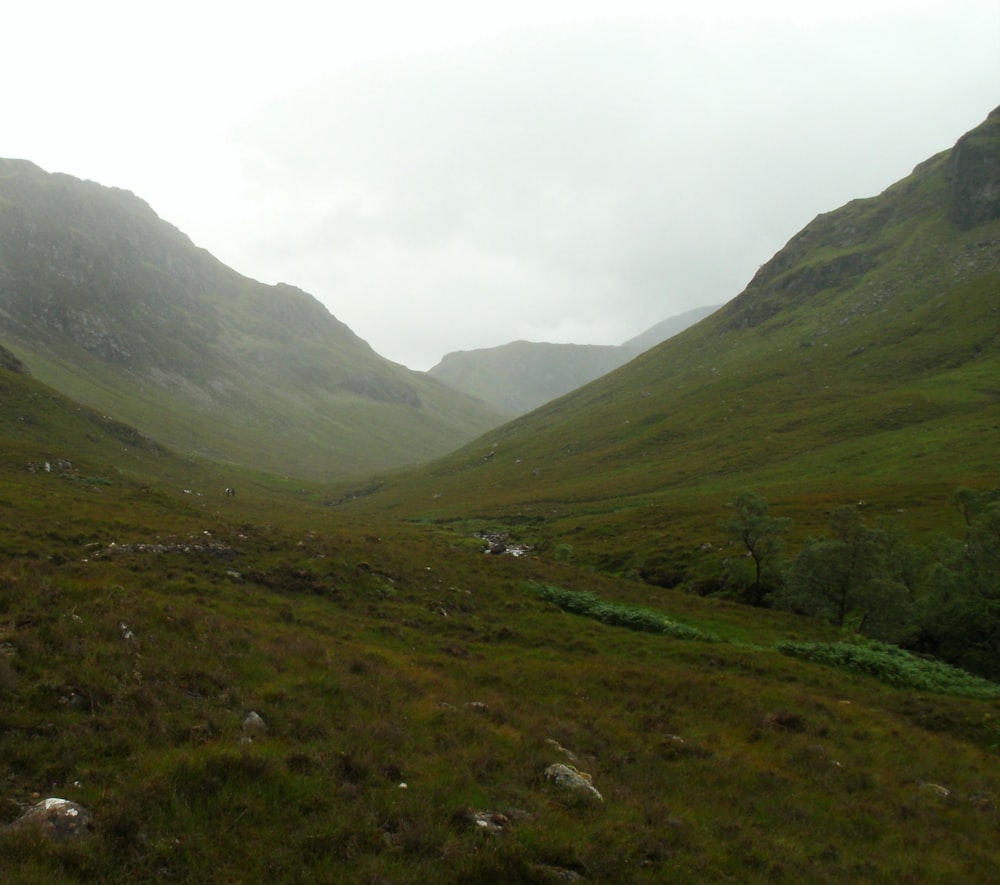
x=56, y=818
x=974, y=175
x=572, y=782
x=11, y=363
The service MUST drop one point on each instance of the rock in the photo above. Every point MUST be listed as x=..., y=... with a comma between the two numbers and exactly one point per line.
x=58, y=818
x=567, y=777
x=492, y=822
x=974, y=175
x=982, y=801
x=552, y=742
x=253, y=727
x=11, y=363
x=556, y=874
x=935, y=789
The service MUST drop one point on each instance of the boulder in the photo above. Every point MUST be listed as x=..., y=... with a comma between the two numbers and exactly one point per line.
x=572, y=780
x=58, y=818
x=254, y=727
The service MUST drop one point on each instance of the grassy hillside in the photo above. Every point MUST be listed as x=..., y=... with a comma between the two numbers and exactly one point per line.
x=414, y=692
x=118, y=309
x=860, y=363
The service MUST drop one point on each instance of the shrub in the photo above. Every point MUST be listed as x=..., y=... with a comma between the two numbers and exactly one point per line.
x=893, y=665
x=630, y=616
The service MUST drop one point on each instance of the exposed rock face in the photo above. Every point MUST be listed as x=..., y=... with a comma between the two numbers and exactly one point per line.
x=974, y=175
x=11, y=363
x=57, y=818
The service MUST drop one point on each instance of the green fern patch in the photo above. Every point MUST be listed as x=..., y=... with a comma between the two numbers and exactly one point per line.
x=893, y=665
x=616, y=615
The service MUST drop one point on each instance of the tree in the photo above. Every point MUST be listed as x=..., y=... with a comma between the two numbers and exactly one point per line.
x=958, y=614
x=849, y=577
x=755, y=529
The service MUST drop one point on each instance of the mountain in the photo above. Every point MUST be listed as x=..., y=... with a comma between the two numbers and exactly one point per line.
x=860, y=362
x=666, y=329
x=522, y=375
x=106, y=302
x=197, y=686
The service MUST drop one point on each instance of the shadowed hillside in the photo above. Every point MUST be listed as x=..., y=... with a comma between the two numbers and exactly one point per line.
x=106, y=302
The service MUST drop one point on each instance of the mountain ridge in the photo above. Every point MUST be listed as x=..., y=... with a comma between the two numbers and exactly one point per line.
x=117, y=308
x=522, y=375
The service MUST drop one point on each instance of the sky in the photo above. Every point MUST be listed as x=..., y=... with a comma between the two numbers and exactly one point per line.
x=453, y=175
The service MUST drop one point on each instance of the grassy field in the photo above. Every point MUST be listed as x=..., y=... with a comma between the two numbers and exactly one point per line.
x=409, y=682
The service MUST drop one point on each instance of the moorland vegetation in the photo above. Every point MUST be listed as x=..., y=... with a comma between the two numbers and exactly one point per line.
x=750, y=637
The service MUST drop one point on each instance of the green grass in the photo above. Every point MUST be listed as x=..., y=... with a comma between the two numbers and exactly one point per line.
x=382, y=653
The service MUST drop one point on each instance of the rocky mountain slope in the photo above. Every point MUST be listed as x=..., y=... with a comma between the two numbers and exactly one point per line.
x=522, y=375
x=113, y=306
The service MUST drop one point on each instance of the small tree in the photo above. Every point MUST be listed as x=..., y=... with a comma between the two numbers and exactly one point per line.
x=848, y=579
x=958, y=613
x=753, y=527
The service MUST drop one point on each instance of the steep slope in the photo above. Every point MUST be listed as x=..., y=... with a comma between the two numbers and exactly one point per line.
x=522, y=375
x=108, y=303
x=666, y=329
x=861, y=361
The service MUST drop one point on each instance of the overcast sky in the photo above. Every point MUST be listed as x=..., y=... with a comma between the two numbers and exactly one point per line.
x=453, y=175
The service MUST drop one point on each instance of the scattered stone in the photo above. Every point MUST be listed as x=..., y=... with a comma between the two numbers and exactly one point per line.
x=568, y=753
x=982, y=801
x=217, y=548
x=557, y=874
x=935, y=789
x=498, y=544
x=569, y=778
x=73, y=700
x=785, y=721
x=492, y=822
x=58, y=818
x=253, y=727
